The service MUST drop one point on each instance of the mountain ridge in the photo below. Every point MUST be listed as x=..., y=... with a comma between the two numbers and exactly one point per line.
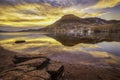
x=71, y=22
x=70, y=18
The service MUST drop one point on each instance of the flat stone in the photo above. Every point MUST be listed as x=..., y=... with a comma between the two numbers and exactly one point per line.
x=40, y=73
x=34, y=62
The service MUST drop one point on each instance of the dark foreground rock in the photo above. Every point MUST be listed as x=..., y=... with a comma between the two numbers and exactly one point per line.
x=32, y=68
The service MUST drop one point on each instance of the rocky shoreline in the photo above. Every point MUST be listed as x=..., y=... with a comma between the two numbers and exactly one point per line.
x=14, y=66
x=27, y=67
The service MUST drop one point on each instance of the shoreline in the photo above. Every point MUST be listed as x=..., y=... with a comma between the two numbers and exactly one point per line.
x=71, y=71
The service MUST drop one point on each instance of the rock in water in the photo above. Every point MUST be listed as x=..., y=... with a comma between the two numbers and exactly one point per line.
x=20, y=41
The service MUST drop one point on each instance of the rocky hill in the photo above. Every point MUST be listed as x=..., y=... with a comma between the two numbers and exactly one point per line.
x=72, y=22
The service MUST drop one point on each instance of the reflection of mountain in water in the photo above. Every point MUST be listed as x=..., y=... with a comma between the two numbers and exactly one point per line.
x=71, y=30
x=73, y=39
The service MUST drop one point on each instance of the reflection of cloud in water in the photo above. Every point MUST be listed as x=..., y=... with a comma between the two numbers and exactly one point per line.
x=110, y=47
x=42, y=42
x=85, y=57
x=81, y=53
x=107, y=57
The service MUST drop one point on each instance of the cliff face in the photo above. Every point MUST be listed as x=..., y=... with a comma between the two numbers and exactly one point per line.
x=70, y=22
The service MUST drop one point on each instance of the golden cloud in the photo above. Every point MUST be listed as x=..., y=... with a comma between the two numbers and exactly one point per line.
x=106, y=4
x=28, y=15
x=36, y=14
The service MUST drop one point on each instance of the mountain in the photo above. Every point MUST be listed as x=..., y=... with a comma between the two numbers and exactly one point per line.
x=72, y=22
x=72, y=19
x=69, y=17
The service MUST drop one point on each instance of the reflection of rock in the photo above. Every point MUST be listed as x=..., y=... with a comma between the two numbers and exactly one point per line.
x=32, y=68
x=20, y=41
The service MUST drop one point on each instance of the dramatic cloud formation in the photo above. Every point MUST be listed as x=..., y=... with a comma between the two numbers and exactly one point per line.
x=19, y=13
x=106, y=3
x=36, y=14
x=28, y=15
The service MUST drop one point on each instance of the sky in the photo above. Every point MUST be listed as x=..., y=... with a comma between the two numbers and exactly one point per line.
x=40, y=13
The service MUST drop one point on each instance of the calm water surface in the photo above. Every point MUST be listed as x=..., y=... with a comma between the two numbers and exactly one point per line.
x=99, y=48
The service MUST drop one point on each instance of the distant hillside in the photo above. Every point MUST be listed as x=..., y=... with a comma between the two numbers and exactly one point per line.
x=19, y=29
x=69, y=22
x=30, y=30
